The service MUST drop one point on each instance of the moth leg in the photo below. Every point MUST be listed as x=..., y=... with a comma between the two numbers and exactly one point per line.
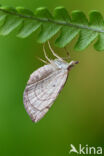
x=42, y=60
x=50, y=61
x=46, y=54
x=54, y=52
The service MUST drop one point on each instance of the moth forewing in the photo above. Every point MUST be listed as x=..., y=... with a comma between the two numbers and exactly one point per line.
x=39, y=96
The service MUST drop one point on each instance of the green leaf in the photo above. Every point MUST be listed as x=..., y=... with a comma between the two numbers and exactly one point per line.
x=47, y=29
x=2, y=15
x=67, y=33
x=68, y=26
x=23, y=11
x=11, y=22
x=96, y=21
x=61, y=14
x=99, y=45
x=85, y=38
x=29, y=26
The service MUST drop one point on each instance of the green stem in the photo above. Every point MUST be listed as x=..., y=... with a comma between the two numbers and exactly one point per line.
x=63, y=23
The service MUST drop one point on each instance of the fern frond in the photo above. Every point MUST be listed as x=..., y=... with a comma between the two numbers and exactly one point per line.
x=69, y=27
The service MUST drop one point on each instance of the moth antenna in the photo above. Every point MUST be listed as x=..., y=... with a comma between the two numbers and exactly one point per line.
x=54, y=52
x=42, y=60
x=46, y=54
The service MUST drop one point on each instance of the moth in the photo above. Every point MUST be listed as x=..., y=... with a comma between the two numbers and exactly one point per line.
x=45, y=84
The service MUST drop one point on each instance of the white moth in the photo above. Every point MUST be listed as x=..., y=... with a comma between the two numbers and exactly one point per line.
x=44, y=85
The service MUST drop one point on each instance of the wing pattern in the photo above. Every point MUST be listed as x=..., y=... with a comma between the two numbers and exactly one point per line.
x=40, y=95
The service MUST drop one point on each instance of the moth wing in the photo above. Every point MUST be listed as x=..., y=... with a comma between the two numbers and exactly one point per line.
x=41, y=73
x=39, y=97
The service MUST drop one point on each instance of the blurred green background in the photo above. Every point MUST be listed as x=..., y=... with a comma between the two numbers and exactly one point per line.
x=76, y=116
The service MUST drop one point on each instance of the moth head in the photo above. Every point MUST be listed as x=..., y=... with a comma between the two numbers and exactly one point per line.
x=72, y=64
x=61, y=64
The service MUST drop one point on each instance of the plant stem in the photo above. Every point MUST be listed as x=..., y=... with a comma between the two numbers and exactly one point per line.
x=47, y=20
